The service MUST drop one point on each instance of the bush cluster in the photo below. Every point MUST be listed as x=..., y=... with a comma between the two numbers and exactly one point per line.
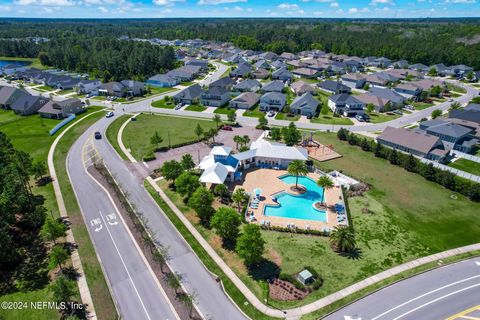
x=446, y=179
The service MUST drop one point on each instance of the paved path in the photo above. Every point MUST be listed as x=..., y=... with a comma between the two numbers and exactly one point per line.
x=134, y=286
x=434, y=295
x=76, y=261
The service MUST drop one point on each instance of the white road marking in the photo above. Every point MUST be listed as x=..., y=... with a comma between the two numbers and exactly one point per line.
x=477, y=263
x=125, y=266
x=424, y=295
x=438, y=299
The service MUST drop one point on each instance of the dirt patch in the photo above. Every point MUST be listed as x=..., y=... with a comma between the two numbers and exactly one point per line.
x=297, y=189
x=469, y=40
x=162, y=275
x=285, y=291
x=274, y=256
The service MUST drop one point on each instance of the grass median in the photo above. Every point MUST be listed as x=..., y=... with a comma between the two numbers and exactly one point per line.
x=112, y=133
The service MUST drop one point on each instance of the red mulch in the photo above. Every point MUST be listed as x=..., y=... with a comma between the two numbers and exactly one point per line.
x=285, y=291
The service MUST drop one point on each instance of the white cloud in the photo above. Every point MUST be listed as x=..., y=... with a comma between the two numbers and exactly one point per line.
x=317, y=13
x=5, y=8
x=334, y=4
x=52, y=3
x=352, y=10
x=166, y=2
x=249, y=10
x=375, y=2
x=461, y=1
x=215, y=2
x=102, y=9
x=288, y=6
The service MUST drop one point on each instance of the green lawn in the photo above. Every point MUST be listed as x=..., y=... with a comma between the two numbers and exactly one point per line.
x=455, y=88
x=287, y=117
x=197, y=108
x=28, y=313
x=421, y=105
x=162, y=104
x=224, y=110
x=254, y=113
x=467, y=166
x=136, y=135
x=112, y=132
x=99, y=98
x=187, y=83
x=382, y=117
x=330, y=119
x=63, y=92
x=45, y=88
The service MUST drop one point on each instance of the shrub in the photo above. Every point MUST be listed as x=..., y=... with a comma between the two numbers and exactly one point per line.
x=149, y=156
x=292, y=280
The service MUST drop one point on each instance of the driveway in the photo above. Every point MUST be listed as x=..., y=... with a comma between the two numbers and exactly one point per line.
x=201, y=149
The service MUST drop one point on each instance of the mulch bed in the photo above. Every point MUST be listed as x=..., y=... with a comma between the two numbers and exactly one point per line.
x=182, y=311
x=285, y=291
x=297, y=190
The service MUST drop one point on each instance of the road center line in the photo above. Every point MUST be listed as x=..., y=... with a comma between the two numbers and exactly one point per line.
x=424, y=295
x=438, y=299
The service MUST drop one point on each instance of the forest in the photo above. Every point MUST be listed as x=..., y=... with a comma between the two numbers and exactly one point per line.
x=449, y=41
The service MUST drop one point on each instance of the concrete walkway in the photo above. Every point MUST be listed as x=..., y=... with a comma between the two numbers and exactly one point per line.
x=76, y=262
x=294, y=313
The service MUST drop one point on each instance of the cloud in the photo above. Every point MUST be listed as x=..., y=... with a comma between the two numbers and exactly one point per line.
x=166, y=2
x=355, y=10
x=375, y=2
x=461, y=1
x=52, y=3
x=288, y=6
x=102, y=9
x=334, y=4
x=5, y=8
x=216, y=2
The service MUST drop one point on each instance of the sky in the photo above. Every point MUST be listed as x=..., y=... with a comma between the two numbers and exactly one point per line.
x=239, y=8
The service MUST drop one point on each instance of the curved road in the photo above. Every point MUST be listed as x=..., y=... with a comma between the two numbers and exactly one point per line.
x=434, y=295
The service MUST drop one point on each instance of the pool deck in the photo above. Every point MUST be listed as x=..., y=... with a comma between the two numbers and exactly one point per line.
x=267, y=180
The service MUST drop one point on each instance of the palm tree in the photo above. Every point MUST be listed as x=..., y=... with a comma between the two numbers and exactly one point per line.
x=239, y=197
x=217, y=119
x=343, y=238
x=326, y=183
x=297, y=168
x=237, y=139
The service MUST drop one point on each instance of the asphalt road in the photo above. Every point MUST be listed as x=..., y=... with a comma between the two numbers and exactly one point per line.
x=212, y=302
x=434, y=295
x=134, y=286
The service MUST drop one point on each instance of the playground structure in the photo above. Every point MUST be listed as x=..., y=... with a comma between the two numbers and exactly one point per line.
x=318, y=151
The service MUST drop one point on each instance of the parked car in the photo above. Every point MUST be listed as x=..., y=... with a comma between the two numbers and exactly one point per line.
x=98, y=135
x=178, y=106
x=271, y=113
x=450, y=100
x=409, y=107
x=309, y=116
x=227, y=128
x=109, y=114
x=360, y=118
x=397, y=112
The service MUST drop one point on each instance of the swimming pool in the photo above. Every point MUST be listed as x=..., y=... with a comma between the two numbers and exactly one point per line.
x=298, y=206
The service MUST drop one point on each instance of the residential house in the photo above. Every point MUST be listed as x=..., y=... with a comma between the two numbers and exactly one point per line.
x=375, y=81
x=379, y=104
x=61, y=109
x=440, y=68
x=427, y=84
x=251, y=85
x=215, y=97
x=163, y=81
x=345, y=104
x=230, y=57
x=419, y=67
x=188, y=95
x=226, y=82
x=288, y=56
x=260, y=74
x=269, y=56
x=415, y=142
x=261, y=64
x=246, y=100
x=242, y=71
x=453, y=136
x=296, y=63
x=388, y=77
x=338, y=67
x=273, y=86
x=408, y=90
x=395, y=98
x=87, y=86
x=11, y=69
x=203, y=64
x=459, y=70
x=305, y=105
x=354, y=65
x=8, y=95
x=272, y=101
x=306, y=73
x=333, y=87
x=300, y=87
x=134, y=88
x=471, y=114
x=382, y=62
x=400, y=64
x=277, y=64
x=185, y=73
x=282, y=74
x=28, y=104
x=353, y=80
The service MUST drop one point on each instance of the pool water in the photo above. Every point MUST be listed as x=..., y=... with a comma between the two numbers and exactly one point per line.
x=298, y=206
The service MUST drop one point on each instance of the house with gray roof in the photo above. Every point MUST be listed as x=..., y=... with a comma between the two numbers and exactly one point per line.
x=272, y=101
x=282, y=74
x=185, y=73
x=203, y=64
x=278, y=64
x=419, y=67
x=188, y=95
x=305, y=105
x=333, y=87
x=225, y=82
x=288, y=56
x=251, y=85
x=408, y=90
x=353, y=80
x=400, y=64
x=273, y=86
x=242, y=71
x=215, y=97
x=8, y=95
x=246, y=100
x=260, y=73
x=374, y=80
x=300, y=87
x=414, y=142
x=395, y=98
x=163, y=81
x=61, y=109
x=28, y=104
x=453, y=136
x=269, y=56
x=379, y=104
x=305, y=73
x=87, y=86
x=346, y=105
x=261, y=64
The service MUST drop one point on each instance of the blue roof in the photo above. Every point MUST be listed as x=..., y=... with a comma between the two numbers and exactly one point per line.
x=227, y=161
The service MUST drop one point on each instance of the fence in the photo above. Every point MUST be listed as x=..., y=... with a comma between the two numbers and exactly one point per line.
x=466, y=156
x=457, y=172
x=62, y=124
